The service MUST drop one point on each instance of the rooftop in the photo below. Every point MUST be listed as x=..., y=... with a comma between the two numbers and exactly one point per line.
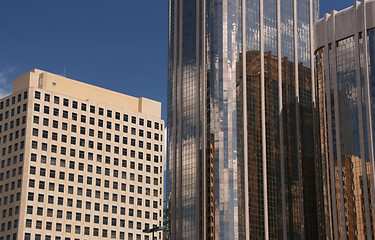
x=59, y=84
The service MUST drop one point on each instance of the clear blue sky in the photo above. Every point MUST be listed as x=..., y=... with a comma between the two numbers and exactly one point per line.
x=116, y=44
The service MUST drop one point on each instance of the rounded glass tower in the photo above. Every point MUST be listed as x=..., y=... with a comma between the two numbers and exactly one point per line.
x=240, y=141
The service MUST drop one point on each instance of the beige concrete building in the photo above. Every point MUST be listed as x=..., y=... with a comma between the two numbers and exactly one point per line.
x=78, y=162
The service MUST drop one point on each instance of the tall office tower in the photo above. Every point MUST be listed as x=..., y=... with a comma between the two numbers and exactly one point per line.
x=78, y=161
x=240, y=152
x=345, y=87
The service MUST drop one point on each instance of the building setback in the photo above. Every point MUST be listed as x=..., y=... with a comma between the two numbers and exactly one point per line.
x=78, y=161
x=240, y=130
x=344, y=44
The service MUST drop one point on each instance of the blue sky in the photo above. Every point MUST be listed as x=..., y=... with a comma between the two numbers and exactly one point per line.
x=116, y=44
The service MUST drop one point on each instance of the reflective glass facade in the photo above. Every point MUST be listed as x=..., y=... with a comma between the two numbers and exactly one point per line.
x=240, y=155
x=344, y=112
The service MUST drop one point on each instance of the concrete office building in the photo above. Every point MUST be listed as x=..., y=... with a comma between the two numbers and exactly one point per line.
x=345, y=116
x=78, y=162
x=240, y=130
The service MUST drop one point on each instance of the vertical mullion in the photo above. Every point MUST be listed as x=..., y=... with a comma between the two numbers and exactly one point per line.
x=263, y=113
x=197, y=128
x=368, y=99
x=327, y=77
x=203, y=77
x=245, y=131
x=360, y=120
x=281, y=120
x=337, y=125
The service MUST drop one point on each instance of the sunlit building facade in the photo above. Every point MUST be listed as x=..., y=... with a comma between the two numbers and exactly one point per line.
x=240, y=140
x=78, y=162
x=345, y=107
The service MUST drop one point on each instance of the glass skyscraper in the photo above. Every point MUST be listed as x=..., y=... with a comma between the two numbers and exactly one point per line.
x=240, y=121
x=345, y=88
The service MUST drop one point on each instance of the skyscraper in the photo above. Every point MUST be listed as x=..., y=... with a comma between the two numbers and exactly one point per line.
x=345, y=87
x=240, y=152
x=78, y=161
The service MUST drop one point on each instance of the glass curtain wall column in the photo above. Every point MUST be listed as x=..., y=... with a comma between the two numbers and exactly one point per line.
x=240, y=119
x=344, y=53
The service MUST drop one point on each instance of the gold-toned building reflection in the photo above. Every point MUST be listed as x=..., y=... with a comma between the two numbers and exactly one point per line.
x=290, y=161
x=353, y=196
